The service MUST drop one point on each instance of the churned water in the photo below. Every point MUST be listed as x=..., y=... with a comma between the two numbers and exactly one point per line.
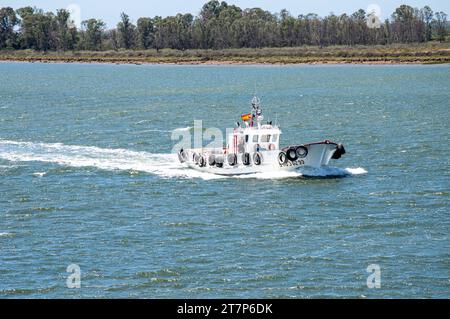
x=87, y=177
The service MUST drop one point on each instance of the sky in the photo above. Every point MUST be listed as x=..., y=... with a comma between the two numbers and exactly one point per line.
x=109, y=10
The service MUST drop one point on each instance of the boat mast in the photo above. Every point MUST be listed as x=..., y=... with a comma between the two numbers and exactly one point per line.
x=257, y=111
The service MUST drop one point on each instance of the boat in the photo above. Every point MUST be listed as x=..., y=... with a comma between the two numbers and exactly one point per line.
x=254, y=147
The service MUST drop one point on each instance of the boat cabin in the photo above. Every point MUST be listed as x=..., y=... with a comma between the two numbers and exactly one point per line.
x=254, y=136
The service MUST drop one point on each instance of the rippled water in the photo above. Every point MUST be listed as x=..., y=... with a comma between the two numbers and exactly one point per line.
x=86, y=177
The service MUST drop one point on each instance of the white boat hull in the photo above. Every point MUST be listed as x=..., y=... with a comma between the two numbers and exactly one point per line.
x=318, y=155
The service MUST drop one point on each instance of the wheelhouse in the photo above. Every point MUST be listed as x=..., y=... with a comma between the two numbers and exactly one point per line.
x=254, y=139
x=254, y=136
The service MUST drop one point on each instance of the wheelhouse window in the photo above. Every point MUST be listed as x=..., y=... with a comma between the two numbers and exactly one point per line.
x=275, y=138
x=265, y=138
x=255, y=138
x=246, y=138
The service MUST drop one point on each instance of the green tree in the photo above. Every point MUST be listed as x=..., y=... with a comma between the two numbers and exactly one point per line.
x=146, y=33
x=288, y=30
x=407, y=24
x=224, y=34
x=44, y=31
x=359, y=27
x=212, y=9
x=8, y=20
x=64, y=38
x=207, y=25
x=26, y=35
x=159, y=33
x=38, y=30
x=427, y=15
x=127, y=31
x=92, y=35
x=217, y=26
x=114, y=39
x=441, y=25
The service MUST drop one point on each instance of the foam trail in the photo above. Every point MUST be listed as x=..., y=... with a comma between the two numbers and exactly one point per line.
x=165, y=165
x=331, y=171
x=308, y=172
x=182, y=129
x=5, y=234
x=271, y=175
x=356, y=171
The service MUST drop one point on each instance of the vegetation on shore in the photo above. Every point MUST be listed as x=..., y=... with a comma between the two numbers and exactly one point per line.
x=431, y=52
x=223, y=33
x=218, y=26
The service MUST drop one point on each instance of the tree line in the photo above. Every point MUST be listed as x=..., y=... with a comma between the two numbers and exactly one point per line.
x=218, y=26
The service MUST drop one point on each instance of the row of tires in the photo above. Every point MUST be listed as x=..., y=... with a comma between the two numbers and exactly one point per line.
x=218, y=160
x=293, y=153
x=290, y=154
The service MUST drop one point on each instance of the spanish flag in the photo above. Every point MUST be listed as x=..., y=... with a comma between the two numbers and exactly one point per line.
x=246, y=117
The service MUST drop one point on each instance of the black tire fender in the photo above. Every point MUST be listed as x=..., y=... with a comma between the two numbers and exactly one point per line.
x=195, y=158
x=301, y=151
x=257, y=158
x=291, y=154
x=219, y=161
x=232, y=159
x=246, y=159
x=201, y=161
x=282, y=158
x=182, y=156
x=211, y=160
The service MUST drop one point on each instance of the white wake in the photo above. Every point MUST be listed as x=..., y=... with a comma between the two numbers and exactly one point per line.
x=164, y=165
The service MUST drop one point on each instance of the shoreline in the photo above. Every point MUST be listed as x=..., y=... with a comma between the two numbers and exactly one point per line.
x=361, y=61
x=427, y=53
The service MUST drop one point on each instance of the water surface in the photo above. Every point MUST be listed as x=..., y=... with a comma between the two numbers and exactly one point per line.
x=86, y=177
